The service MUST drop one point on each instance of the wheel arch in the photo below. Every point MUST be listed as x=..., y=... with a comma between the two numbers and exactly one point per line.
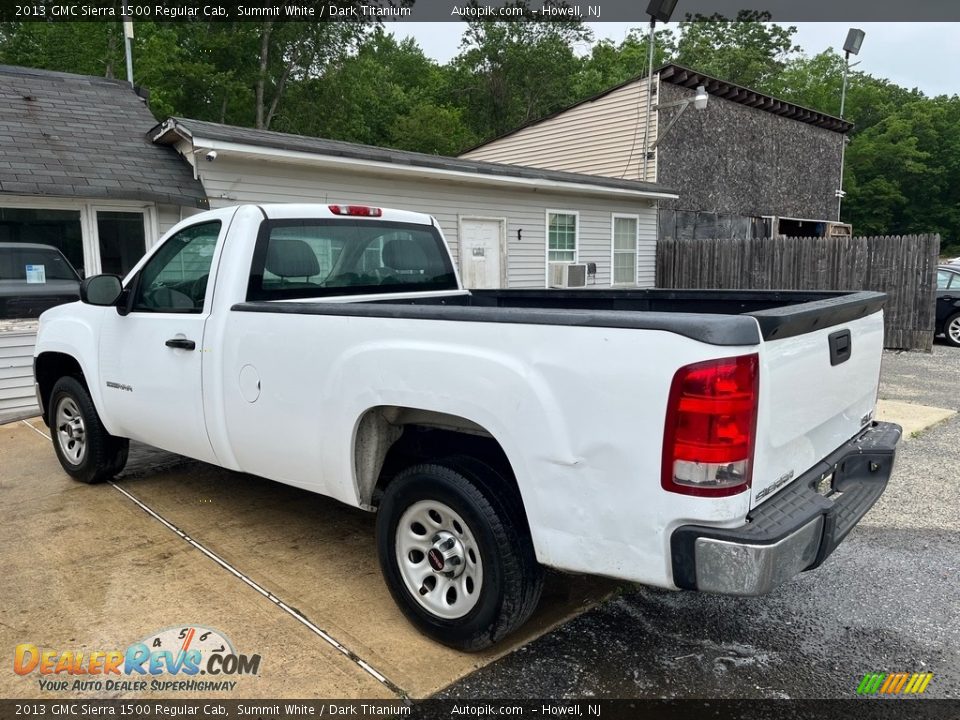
x=50, y=366
x=390, y=437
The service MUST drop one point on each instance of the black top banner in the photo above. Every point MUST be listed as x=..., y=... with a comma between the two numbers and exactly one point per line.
x=781, y=11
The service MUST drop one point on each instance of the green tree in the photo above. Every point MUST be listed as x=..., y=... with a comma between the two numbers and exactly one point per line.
x=748, y=51
x=84, y=48
x=904, y=172
x=232, y=72
x=816, y=82
x=386, y=93
x=510, y=73
x=610, y=64
x=430, y=128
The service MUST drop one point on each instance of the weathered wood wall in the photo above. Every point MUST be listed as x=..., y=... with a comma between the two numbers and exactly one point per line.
x=743, y=161
x=904, y=267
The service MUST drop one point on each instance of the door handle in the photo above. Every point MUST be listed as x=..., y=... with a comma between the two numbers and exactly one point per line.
x=181, y=344
x=947, y=297
x=840, y=347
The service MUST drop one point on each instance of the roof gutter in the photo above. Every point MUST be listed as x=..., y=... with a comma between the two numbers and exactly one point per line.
x=411, y=171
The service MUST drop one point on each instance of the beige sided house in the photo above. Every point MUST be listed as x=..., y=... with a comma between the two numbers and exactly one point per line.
x=746, y=164
x=507, y=226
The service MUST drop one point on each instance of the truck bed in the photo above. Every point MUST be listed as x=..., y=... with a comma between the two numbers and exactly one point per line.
x=718, y=317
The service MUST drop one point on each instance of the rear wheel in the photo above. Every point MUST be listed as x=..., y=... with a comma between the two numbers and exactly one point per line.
x=86, y=451
x=951, y=330
x=457, y=555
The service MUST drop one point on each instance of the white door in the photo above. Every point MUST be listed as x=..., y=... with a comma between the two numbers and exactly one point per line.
x=481, y=241
x=150, y=358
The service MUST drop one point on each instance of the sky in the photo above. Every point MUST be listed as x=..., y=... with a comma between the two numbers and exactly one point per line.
x=921, y=55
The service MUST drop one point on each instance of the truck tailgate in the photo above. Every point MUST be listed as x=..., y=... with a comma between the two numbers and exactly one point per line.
x=817, y=390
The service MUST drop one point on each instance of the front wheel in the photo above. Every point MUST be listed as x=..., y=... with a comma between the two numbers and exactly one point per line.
x=951, y=330
x=86, y=451
x=456, y=554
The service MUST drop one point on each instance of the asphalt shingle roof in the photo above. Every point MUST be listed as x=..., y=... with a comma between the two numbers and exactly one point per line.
x=77, y=136
x=200, y=129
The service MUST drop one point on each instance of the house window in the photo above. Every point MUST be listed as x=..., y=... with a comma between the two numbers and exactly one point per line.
x=562, y=237
x=122, y=240
x=58, y=228
x=625, y=229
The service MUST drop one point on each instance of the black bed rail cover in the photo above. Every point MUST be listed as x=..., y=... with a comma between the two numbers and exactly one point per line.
x=716, y=324
x=790, y=320
x=704, y=327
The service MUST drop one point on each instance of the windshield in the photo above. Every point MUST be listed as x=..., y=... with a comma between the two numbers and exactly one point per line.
x=316, y=258
x=34, y=264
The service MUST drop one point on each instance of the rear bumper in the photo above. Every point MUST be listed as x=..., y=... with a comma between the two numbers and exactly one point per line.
x=796, y=529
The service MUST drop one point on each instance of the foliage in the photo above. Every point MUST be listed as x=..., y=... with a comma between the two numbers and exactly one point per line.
x=748, y=51
x=510, y=73
x=609, y=65
x=904, y=172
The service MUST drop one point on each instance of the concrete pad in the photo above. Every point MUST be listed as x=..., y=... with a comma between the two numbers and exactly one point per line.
x=85, y=569
x=320, y=557
x=911, y=417
x=313, y=553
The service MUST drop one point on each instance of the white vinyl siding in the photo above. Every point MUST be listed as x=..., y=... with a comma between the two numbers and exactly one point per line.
x=232, y=180
x=599, y=137
x=17, y=399
x=624, y=249
x=562, y=236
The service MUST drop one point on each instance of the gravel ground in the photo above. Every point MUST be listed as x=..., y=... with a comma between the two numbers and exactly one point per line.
x=886, y=600
x=924, y=378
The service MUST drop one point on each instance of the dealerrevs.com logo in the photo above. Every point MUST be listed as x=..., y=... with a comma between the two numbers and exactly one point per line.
x=190, y=658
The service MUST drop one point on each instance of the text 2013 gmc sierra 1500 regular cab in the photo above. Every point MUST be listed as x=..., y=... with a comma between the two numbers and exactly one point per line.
x=720, y=441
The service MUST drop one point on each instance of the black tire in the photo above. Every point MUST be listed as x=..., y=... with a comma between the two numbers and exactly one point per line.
x=103, y=455
x=952, y=339
x=489, y=506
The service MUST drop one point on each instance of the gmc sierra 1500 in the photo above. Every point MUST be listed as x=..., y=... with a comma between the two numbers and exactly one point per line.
x=720, y=441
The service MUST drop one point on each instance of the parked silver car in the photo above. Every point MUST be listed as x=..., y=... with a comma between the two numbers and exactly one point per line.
x=34, y=278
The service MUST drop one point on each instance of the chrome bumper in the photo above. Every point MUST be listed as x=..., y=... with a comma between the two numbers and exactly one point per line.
x=793, y=531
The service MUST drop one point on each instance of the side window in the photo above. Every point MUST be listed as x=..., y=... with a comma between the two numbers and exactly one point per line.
x=943, y=279
x=954, y=281
x=175, y=278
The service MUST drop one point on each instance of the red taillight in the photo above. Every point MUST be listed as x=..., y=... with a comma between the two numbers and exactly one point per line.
x=711, y=427
x=357, y=210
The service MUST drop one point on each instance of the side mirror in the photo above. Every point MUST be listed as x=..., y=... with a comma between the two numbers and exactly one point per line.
x=102, y=290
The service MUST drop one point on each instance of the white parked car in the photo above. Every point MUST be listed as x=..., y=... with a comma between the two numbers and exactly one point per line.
x=719, y=441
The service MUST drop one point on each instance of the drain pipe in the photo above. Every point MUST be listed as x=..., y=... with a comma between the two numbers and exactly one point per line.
x=646, y=125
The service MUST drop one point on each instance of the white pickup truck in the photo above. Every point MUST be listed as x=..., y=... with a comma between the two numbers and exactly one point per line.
x=719, y=441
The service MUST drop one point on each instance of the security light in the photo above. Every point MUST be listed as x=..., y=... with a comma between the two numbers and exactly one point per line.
x=699, y=102
x=854, y=41
x=700, y=99
x=851, y=45
x=661, y=9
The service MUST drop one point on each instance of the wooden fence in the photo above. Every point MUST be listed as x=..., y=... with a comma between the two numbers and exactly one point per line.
x=904, y=267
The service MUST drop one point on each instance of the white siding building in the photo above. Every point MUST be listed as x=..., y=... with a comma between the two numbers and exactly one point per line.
x=505, y=224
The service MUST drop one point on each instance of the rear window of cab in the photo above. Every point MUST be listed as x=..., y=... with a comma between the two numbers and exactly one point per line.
x=328, y=257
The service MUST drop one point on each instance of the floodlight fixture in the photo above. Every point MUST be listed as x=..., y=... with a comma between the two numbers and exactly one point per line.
x=701, y=98
x=852, y=45
x=661, y=9
x=854, y=41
